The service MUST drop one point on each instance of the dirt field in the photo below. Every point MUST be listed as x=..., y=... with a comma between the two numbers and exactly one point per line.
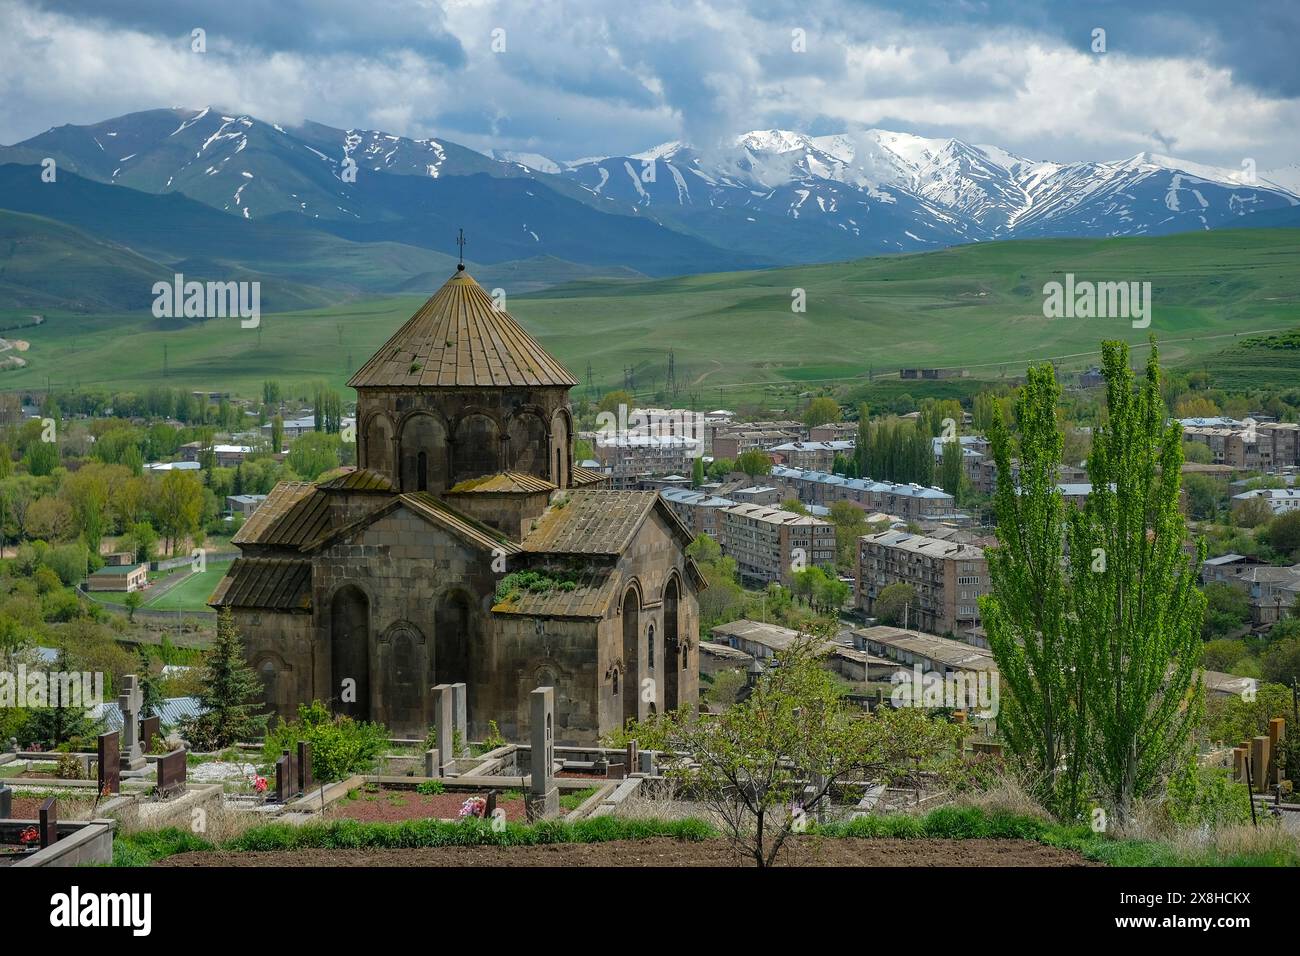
x=663, y=851
x=390, y=806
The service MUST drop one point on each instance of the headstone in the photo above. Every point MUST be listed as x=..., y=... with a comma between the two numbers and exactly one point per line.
x=171, y=772
x=49, y=822
x=110, y=767
x=292, y=759
x=150, y=727
x=646, y=763
x=130, y=702
x=305, y=779
x=6, y=802
x=616, y=771
x=444, y=715
x=1239, y=764
x=1276, y=734
x=431, y=765
x=460, y=717
x=1259, y=763
x=544, y=796
x=631, y=762
x=491, y=804
x=282, y=784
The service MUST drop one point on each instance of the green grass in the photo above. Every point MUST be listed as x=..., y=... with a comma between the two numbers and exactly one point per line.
x=954, y=823
x=191, y=594
x=977, y=307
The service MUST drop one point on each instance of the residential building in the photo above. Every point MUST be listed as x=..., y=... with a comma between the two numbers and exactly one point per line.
x=815, y=455
x=119, y=577
x=930, y=652
x=1279, y=500
x=697, y=509
x=908, y=501
x=948, y=578
x=769, y=544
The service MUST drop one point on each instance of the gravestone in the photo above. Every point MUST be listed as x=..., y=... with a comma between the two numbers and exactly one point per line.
x=491, y=804
x=632, y=760
x=444, y=717
x=130, y=702
x=544, y=796
x=460, y=717
x=305, y=779
x=1276, y=734
x=6, y=802
x=615, y=771
x=431, y=765
x=171, y=772
x=292, y=759
x=49, y=822
x=110, y=767
x=282, y=784
x=1259, y=763
x=150, y=727
x=646, y=763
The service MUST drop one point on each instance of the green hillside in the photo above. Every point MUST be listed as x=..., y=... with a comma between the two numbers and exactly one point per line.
x=977, y=307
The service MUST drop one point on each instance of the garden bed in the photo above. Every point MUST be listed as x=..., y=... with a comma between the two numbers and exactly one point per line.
x=665, y=851
x=386, y=805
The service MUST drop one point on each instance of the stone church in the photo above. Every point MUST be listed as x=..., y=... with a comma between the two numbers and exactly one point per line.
x=467, y=546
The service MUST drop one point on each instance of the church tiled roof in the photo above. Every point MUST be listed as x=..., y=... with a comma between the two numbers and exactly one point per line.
x=459, y=339
x=293, y=513
x=586, y=476
x=276, y=584
x=359, y=479
x=589, y=598
x=508, y=482
x=598, y=521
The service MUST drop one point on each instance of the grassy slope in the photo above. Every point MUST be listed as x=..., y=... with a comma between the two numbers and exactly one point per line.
x=978, y=306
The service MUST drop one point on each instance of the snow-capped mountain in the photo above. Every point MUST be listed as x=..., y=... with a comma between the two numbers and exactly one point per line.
x=878, y=190
x=767, y=197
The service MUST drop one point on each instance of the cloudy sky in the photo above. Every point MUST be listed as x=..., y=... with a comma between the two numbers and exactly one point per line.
x=1205, y=80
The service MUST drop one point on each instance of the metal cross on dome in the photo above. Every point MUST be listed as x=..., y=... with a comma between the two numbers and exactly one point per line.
x=460, y=241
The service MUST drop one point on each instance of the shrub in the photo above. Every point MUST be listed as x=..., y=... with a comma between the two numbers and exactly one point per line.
x=339, y=745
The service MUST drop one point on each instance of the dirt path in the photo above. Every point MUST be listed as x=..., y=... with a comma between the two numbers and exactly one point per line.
x=664, y=851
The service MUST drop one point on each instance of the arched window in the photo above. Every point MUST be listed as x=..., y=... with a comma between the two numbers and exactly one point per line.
x=422, y=471
x=650, y=647
x=615, y=681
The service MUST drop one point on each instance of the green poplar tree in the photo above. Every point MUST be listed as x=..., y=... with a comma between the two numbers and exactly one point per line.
x=1136, y=609
x=1042, y=716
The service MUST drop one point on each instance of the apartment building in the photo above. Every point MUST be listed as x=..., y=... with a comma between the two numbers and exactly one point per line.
x=815, y=455
x=728, y=439
x=1245, y=444
x=698, y=509
x=769, y=544
x=1279, y=500
x=948, y=578
x=629, y=458
x=908, y=501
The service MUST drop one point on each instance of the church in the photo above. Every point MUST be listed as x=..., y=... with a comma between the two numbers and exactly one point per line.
x=467, y=546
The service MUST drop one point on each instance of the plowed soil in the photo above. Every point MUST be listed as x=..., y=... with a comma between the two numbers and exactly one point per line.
x=664, y=851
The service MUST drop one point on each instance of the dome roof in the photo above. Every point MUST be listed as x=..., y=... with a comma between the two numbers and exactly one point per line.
x=458, y=339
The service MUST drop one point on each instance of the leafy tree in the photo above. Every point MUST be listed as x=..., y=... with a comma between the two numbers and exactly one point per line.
x=721, y=467
x=1204, y=495
x=754, y=463
x=1138, y=621
x=313, y=454
x=795, y=505
x=231, y=693
x=277, y=434
x=1042, y=714
x=697, y=472
x=1222, y=654
x=339, y=745
x=822, y=410
x=48, y=519
x=1280, y=662
x=952, y=468
x=892, y=600
x=610, y=401
x=178, y=507
x=131, y=602
x=762, y=764
x=1227, y=610
x=850, y=524
x=1283, y=534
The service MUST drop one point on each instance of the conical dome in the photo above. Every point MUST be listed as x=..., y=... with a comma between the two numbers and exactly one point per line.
x=457, y=339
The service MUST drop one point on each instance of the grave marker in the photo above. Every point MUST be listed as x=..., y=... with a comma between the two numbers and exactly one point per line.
x=49, y=822
x=544, y=796
x=171, y=772
x=150, y=727
x=110, y=766
x=130, y=701
x=282, y=784
x=305, y=779
x=631, y=762
x=444, y=715
x=460, y=717
x=6, y=802
x=431, y=765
